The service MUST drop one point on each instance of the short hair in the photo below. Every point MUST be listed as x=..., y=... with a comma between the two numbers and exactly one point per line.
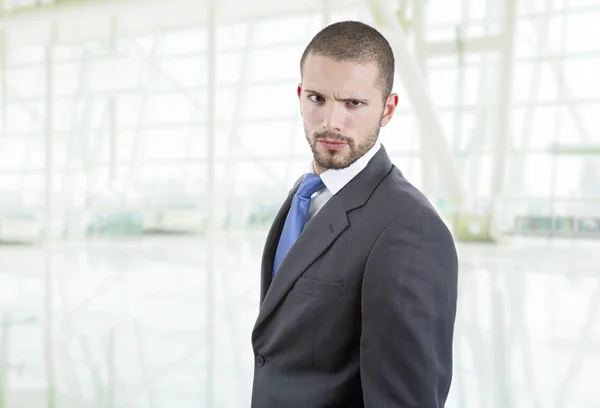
x=358, y=42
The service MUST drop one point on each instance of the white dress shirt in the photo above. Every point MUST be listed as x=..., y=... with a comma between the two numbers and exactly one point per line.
x=335, y=180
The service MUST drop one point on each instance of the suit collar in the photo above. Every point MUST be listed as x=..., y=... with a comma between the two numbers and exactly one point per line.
x=318, y=235
x=335, y=180
x=356, y=193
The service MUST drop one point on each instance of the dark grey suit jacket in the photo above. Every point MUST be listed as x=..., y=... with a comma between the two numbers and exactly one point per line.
x=361, y=312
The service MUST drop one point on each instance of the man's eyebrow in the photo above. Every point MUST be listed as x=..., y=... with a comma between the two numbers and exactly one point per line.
x=346, y=99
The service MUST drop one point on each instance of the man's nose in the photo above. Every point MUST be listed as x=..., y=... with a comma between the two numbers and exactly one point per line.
x=333, y=121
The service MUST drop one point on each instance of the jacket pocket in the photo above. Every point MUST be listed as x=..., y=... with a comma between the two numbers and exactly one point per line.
x=318, y=288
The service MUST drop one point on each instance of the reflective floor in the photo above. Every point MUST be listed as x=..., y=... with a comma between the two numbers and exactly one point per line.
x=123, y=323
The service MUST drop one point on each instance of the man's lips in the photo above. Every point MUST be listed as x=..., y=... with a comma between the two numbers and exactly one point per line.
x=332, y=144
x=329, y=141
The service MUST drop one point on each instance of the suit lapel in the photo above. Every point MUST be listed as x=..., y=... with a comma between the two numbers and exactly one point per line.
x=316, y=237
x=272, y=240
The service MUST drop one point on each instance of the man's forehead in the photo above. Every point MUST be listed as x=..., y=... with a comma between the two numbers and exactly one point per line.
x=320, y=60
x=359, y=88
x=325, y=72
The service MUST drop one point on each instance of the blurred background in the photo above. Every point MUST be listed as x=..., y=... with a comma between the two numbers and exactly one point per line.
x=139, y=176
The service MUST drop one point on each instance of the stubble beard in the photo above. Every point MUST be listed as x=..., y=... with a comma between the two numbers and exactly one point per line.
x=335, y=159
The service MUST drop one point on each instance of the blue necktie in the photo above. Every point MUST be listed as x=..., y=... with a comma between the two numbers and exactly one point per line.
x=297, y=216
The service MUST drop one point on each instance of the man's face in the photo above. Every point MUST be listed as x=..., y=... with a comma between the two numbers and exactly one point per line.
x=343, y=109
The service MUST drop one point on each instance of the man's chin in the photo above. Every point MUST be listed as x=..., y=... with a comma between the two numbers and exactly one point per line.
x=332, y=162
x=329, y=159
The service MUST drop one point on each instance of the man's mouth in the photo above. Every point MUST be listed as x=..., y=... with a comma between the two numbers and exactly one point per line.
x=332, y=144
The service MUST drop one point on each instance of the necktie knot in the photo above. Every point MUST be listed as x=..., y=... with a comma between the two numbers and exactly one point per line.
x=310, y=185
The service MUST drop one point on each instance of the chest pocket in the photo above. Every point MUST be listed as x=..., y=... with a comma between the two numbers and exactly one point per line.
x=317, y=288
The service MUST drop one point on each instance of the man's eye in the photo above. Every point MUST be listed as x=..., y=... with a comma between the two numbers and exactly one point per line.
x=355, y=104
x=315, y=98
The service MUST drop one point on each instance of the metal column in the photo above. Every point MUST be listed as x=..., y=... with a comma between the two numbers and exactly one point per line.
x=4, y=82
x=326, y=12
x=49, y=230
x=112, y=111
x=427, y=174
x=434, y=140
x=4, y=360
x=433, y=136
x=210, y=205
x=504, y=115
x=49, y=136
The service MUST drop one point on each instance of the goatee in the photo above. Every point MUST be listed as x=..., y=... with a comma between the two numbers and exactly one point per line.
x=335, y=159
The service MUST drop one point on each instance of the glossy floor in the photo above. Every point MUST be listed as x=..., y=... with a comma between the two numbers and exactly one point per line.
x=124, y=324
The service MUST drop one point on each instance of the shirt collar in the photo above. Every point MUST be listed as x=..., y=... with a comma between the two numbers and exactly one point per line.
x=335, y=179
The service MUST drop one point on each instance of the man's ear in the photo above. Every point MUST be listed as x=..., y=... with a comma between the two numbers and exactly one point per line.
x=388, y=111
x=299, y=90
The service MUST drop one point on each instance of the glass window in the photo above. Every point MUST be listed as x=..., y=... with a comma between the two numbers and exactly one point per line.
x=401, y=134
x=441, y=33
x=30, y=80
x=478, y=10
x=169, y=108
x=181, y=72
x=227, y=103
x=268, y=101
x=588, y=117
x=170, y=143
x=573, y=178
x=275, y=64
x=466, y=138
x=534, y=127
x=446, y=11
x=527, y=40
x=232, y=36
x=192, y=40
x=348, y=12
x=483, y=167
x=534, y=81
x=25, y=54
x=228, y=68
x=127, y=109
x=68, y=78
x=539, y=33
x=411, y=167
x=575, y=4
x=581, y=76
x=124, y=148
x=268, y=139
x=115, y=74
x=536, y=174
x=24, y=117
x=583, y=31
x=570, y=128
x=12, y=153
x=260, y=179
x=442, y=86
x=298, y=145
x=286, y=30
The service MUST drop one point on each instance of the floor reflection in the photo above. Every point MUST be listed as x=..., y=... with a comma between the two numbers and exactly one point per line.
x=124, y=324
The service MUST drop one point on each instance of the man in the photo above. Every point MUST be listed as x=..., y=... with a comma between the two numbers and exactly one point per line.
x=359, y=273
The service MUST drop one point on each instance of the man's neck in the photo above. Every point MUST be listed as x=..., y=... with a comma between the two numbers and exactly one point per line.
x=318, y=170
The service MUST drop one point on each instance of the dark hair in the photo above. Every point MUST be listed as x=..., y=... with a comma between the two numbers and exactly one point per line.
x=357, y=42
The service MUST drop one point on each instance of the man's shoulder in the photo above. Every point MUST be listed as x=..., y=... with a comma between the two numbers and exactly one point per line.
x=397, y=199
x=402, y=194
x=403, y=209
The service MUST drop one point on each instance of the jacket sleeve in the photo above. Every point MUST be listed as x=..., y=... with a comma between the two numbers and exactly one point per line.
x=409, y=297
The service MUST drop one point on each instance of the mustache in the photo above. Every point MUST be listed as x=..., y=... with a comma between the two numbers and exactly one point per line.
x=332, y=136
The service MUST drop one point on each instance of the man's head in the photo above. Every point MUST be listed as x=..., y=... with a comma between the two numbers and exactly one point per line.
x=345, y=95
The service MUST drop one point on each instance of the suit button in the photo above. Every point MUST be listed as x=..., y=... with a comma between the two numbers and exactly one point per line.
x=260, y=360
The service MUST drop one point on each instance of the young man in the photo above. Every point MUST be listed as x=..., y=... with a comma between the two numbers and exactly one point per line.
x=359, y=273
